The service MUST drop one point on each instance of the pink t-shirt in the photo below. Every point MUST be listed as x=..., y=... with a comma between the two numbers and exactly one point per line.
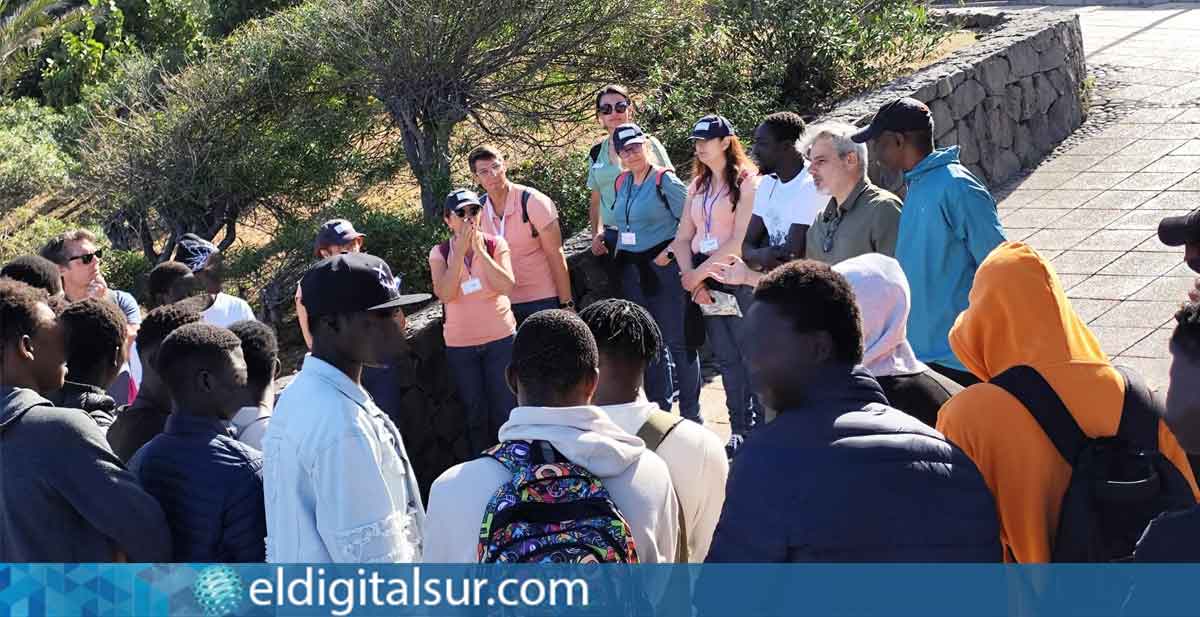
x=712, y=214
x=483, y=316
x=531, y=266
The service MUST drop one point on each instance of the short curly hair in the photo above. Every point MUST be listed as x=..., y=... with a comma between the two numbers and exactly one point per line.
x=162, y=321
x=18, y=310
x=786, y=126
x=553, y=351
x=260, y=346
x=34, y=270
x=95, y=332
x=623, y=329
x=189, y=346
x=164, y=275
x=1186, y=337
x=817, y=299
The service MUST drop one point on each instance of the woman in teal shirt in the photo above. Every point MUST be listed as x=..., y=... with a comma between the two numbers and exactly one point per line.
x=647, y=204
x=613, y=108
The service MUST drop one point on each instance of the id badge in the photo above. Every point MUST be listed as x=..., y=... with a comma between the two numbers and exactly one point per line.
x=709, y=245
x=628, y=238
x=471, y=285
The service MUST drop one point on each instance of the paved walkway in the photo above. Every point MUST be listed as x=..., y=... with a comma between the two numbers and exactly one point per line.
x=1095, y=205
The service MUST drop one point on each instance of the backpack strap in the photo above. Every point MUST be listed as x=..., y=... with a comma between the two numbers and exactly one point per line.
x=653, y=431
x=1043, y=403
x=488, y=243
x=1139, y=418
x=657, y=427
x=525, y=213
x=658, y=178
x=594, y=153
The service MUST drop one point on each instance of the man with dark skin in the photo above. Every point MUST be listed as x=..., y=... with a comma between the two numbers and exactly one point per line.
x=170, y=282
x=139, y=422
x=65, y=497
x=787, y=201
x=337, y=462
x=209, y=483
x=95, y=331
x=208, y=264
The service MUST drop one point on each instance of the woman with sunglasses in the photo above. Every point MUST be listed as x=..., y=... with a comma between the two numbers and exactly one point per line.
x=613, y=108
x=720, y=202
x=649, y=202
x=472, y=276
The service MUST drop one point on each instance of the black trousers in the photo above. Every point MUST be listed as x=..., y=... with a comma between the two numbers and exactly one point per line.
x=962, y=378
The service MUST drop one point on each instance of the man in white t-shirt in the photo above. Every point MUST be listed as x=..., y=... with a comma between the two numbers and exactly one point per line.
x=206, y=261
x=628, y=339
x=786, y=202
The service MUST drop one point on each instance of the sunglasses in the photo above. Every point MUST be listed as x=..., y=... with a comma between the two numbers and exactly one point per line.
x=606, y=110
x=463, y=213
x=830, y=232
x=87, y=258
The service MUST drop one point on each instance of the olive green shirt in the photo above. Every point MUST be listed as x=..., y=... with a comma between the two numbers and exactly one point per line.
x=868, y=223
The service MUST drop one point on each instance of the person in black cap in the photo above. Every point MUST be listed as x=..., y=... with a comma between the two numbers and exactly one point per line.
x=719, y=205
x=472, y=276
x=948, y=226
x=334, y=462
x=208, y=264
x=336, y=237
x=787, y=201
x=1183, y=231
x=649, y=203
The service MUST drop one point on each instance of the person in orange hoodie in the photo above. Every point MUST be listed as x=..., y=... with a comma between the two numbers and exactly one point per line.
x=1019, y=315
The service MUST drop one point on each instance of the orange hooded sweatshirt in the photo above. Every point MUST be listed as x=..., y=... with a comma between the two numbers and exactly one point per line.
x=1019, y=314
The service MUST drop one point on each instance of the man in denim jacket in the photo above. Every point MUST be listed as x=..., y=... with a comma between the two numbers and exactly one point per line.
x=339, y=485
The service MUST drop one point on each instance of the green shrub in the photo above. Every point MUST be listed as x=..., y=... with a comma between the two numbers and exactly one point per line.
x=31, y=162
x=563, y=178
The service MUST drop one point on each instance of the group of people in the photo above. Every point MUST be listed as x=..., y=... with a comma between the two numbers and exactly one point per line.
x=927, y=384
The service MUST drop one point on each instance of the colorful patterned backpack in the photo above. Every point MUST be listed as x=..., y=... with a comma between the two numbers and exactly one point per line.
x=551, y=511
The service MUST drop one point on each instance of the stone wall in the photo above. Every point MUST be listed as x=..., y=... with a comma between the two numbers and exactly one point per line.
x=1006, y=101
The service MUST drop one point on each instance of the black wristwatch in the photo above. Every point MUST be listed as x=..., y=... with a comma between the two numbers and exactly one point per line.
x=569, y=304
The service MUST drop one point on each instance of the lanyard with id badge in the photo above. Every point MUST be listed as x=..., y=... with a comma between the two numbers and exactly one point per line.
x=709, y=244
x=472, y=284
x=629, y=237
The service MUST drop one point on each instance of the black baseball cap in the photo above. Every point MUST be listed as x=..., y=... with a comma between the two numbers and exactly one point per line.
x=1180, y=230
x=628, y=134
x=712, y=126
x=337, y=232
x=461, y=197
x=901, y=115
x=351, y=283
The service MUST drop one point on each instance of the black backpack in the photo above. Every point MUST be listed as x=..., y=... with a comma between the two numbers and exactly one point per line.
x=1118, y=484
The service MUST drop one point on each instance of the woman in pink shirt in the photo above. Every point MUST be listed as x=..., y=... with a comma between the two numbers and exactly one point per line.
x=472, y=276
x=719, y=205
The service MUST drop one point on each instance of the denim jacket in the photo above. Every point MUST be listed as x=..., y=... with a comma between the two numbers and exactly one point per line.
x=339, y=486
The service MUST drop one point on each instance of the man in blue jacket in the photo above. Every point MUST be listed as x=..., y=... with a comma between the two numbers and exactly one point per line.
x=840, y=475
x=947, y=228
x=210, y=485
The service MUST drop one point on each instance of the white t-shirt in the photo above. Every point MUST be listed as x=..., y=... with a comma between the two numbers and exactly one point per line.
x=783, y=204
x=227, y=310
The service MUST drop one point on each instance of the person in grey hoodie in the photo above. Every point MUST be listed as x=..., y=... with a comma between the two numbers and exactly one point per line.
x=95, y=335
x=554, y=373
x=64, y=496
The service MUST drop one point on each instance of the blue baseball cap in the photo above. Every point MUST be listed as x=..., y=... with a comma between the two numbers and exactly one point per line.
x=712, y=126
x=627, y=135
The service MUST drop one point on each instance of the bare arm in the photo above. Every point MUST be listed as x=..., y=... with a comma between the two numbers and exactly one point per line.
x=756, y=247
x=594, y=212
x=550, y=238
x=681, y=246
x=497, y=271
x=446, y=276
x=796, y=241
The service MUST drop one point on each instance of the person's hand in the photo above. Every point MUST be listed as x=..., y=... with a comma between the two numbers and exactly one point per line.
x=598, y=247
x=733, y=271
x=701, y=295
x=462, y=241
x=98, y=288
x=664, y=258
x=477, y=241
x=693, y=279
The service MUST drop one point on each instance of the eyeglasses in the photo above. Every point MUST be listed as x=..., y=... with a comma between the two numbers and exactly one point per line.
x=630, y=150
x=493, y=170
x=463, y=213
x=87, y=258
x=606, y=110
